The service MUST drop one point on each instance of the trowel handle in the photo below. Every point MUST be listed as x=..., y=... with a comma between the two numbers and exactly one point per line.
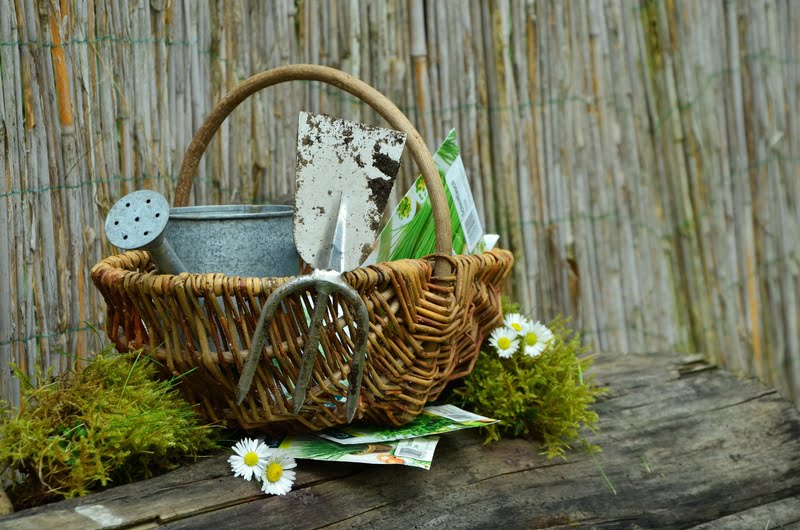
x=356, y=87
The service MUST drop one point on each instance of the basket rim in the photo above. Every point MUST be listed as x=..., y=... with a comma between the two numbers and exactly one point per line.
x=113, y=268
x=229, y=212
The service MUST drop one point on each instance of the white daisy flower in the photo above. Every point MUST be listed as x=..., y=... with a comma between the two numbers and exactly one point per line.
x=278, y=479
x=250, y=459
x=535, y=338
x=504, y=341
x=516, y=322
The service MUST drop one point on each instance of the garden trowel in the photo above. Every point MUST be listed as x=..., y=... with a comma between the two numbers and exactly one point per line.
x=345, y=174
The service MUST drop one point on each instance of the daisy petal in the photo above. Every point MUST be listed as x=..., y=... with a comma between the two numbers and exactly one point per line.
x=277, y=474
x=535, y=339
x=516, y=322
x=249, y=459
x=504, y=341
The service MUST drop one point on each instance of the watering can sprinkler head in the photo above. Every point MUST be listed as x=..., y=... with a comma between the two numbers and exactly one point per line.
x=137, y=222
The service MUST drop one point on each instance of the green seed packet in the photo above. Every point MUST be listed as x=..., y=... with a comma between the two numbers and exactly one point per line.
x=416, y=452
x=410, y=233
x=433, y=420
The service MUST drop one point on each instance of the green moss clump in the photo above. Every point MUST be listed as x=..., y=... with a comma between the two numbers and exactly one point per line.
x=110, y=422
x=546, y=397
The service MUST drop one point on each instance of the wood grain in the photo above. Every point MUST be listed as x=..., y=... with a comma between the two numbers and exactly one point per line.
x=683, y=443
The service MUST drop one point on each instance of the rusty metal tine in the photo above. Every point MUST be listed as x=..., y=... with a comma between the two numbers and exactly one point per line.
x=324, y=290
x=359, y=356
x=257, y=343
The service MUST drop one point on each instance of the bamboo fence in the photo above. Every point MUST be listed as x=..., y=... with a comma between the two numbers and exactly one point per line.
x=641, y=159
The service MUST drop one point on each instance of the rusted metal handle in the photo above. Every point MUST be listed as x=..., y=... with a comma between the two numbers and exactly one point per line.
x=324, y=289
x=356, y=87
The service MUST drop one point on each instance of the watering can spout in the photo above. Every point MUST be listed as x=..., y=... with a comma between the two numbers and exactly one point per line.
x=137, y=222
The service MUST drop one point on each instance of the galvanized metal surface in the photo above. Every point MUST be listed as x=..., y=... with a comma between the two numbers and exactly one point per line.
x=138, y=221
x=340, y=158
x=237, y=240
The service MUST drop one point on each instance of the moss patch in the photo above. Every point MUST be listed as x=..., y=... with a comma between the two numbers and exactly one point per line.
x=108, y=423
x=546, y=397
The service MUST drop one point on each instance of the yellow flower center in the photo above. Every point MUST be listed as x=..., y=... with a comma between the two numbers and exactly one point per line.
x=274, y=472
x=531, y=339
x=504, y=343
x=517, y=326
x=250, y=459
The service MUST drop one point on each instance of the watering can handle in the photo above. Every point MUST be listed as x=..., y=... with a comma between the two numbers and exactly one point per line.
x=356, y=87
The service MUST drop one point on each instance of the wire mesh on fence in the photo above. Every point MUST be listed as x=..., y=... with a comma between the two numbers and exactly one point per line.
x=642, y=161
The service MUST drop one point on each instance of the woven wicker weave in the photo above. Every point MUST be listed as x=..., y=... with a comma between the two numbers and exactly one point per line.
x=427, y=316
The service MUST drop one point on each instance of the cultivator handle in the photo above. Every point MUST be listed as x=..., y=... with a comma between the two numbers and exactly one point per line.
x=324, y=288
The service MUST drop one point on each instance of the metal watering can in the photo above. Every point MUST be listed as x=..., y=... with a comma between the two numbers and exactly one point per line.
x=239, y=240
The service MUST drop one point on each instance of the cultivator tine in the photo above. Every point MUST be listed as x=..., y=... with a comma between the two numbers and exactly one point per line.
x=312, y=346
x=267, y=312
x=324, y=288
x=359, y=357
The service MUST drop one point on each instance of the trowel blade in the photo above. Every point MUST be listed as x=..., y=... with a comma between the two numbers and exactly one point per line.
x=340, y=158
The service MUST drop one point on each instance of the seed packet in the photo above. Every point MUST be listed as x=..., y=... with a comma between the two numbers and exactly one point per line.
x=433, y=420
x=414, y=452
x=410, y=232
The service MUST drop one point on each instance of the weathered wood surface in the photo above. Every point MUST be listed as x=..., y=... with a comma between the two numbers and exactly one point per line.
x=684, y=445
x=641, y=159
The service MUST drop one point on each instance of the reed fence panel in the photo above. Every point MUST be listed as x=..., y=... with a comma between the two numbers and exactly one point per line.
x=641, y=159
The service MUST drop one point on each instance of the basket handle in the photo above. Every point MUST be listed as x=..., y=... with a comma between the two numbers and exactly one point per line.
x=356, y=87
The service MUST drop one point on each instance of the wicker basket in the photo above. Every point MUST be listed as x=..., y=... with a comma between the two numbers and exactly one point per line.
x=428, y=316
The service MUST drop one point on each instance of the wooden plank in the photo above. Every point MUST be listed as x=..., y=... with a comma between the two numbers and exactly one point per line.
x=678, y=450
x=784, y=513
x=195, y=489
